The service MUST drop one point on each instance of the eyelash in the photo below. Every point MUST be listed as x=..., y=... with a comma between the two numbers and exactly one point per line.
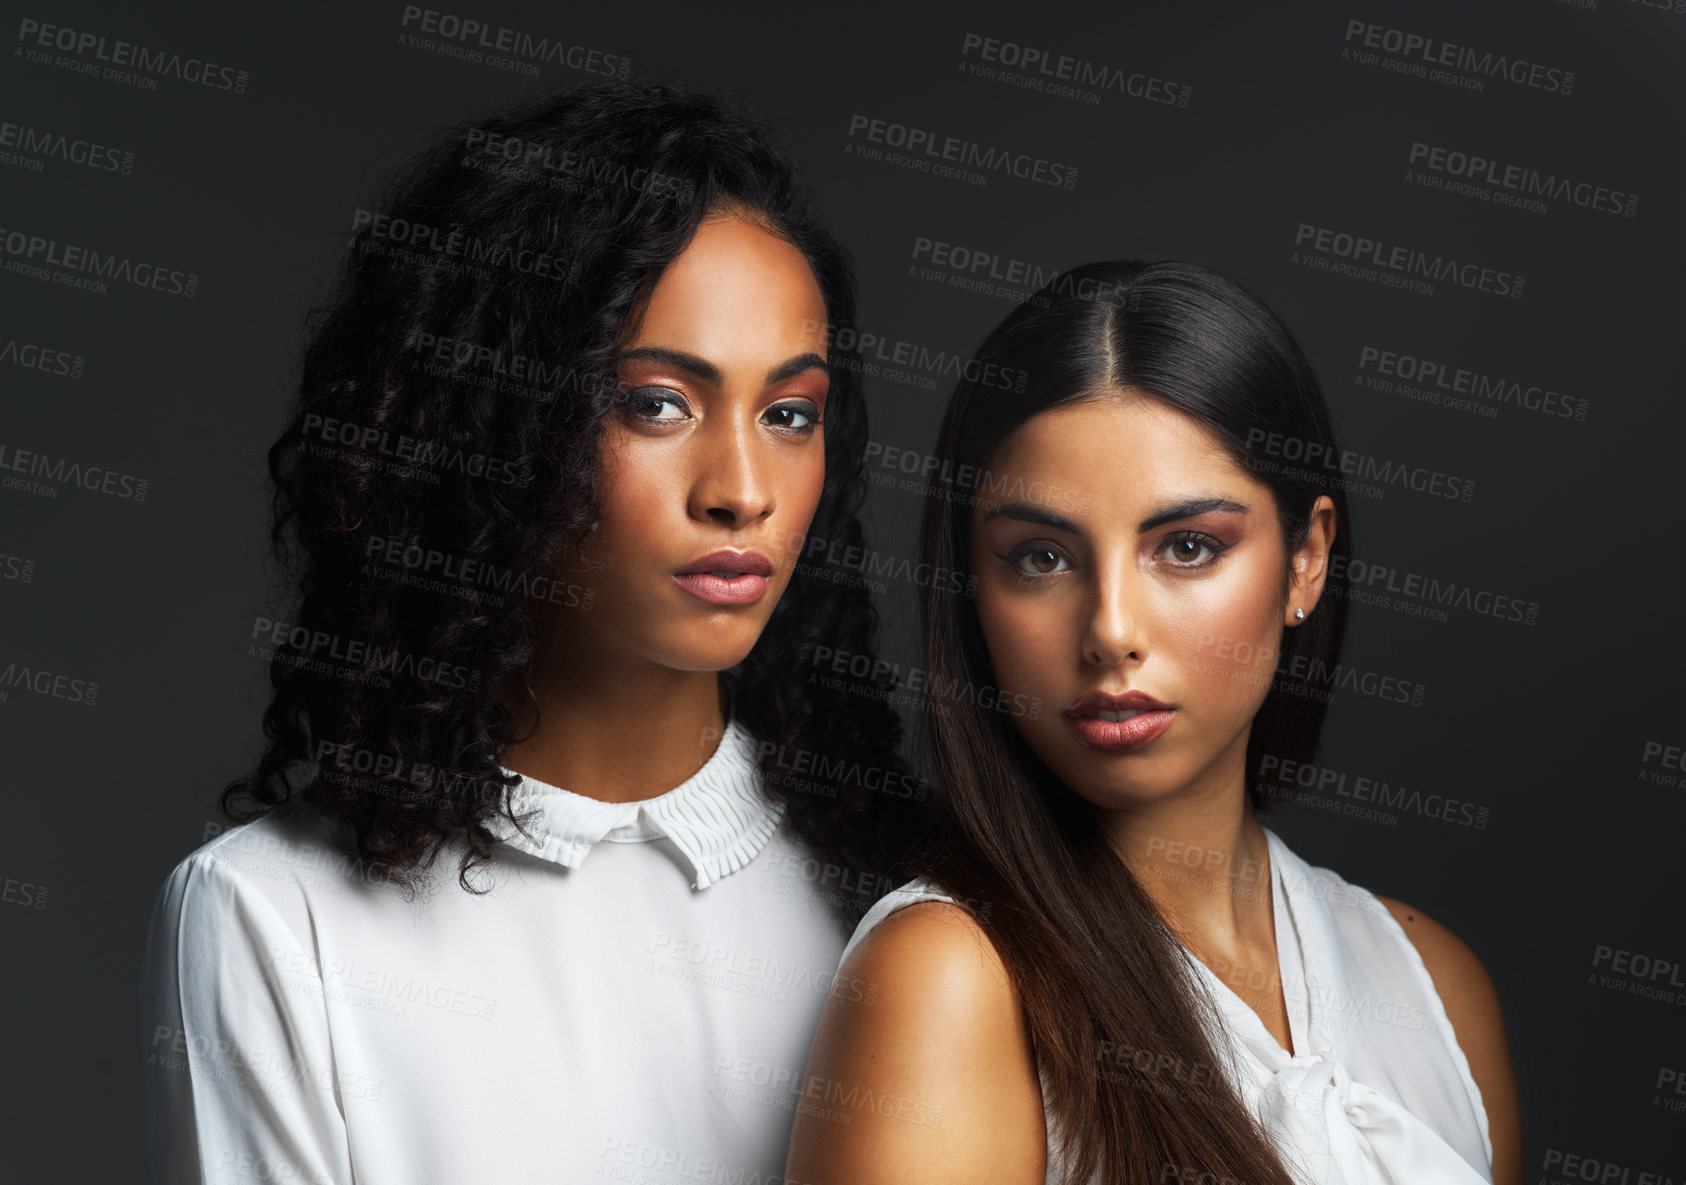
x=1214, y=546
x=801, y=408
x=634, y=397
x=640, y=396
x=1014, y=558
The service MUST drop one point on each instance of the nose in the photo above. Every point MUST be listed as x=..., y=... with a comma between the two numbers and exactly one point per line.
x=732, y=486
x=1115, y=637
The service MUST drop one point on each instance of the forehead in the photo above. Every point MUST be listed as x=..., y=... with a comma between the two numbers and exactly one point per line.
x=1124, y=449
x=736, y=289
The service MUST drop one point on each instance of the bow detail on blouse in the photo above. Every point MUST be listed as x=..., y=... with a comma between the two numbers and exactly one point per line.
x=1329, y=1128
x=1343, y=1132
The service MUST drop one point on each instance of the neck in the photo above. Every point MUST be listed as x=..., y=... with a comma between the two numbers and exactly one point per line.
x=1203, y=858
x=618, y=731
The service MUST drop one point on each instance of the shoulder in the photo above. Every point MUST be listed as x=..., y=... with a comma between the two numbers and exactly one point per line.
x=1456, y=971
x=1472, y=1007
x=934, y=977
x=227, y=946
x=926, y=1071
x=295, y=844
x=939, y=947
x=890, y=903
x=281, y=866
x=1452, y=966
x=1465, y=989
x=227, y=878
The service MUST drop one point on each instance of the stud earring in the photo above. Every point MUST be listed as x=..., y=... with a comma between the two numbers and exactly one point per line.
x=1300, y=613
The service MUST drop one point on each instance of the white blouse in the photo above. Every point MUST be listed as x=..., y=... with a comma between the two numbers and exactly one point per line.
x=643, y=1014
x=1379, y=1092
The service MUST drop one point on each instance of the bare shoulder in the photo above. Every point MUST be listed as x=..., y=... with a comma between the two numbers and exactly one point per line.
x=1472, y=1005
x=921, y=1067
x=1451, y=964
x=943, y=949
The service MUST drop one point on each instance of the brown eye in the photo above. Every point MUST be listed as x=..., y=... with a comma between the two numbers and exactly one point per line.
x=1041, y=561
x=656, y=403
x=1192, y=551
x=793, y=417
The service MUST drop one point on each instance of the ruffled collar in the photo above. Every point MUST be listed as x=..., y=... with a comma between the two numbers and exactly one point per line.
x=719, y=818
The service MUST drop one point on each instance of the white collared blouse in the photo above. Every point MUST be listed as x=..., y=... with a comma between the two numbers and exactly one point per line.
x=633, y=1000
x=1377, y=1090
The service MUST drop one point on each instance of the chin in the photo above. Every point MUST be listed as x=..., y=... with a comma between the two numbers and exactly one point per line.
x=715, y=653
x=1098, y=779
x=1117, y=796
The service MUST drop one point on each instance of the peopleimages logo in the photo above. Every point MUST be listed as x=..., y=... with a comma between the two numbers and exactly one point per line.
x=63, y=470
x=35, y=256
x=1368, y=577
x=373, y=230
x=408, y=455
x=477, y=39
x=48, y=683
x=990, y=272
x=1439, y=61
x=1276, y=452
x=1516, y=184
x=1328, y=781
x=571, y=167
x=1062, y=75
x=1446, y=380
x=137, y=58
x=922, y=147
x=31, y=356
x=1373, y=259
x=36, y=145
x=315, y=649
x=867, y=349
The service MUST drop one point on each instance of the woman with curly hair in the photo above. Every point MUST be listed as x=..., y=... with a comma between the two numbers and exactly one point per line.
x=546, y=866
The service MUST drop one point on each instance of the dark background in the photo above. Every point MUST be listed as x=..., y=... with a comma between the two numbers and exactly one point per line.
x=1560, y=738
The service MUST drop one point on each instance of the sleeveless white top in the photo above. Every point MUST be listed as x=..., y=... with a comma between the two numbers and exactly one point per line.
x=1379, y=1092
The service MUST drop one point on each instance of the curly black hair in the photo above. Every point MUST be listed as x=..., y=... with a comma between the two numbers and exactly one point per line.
x=441, y=458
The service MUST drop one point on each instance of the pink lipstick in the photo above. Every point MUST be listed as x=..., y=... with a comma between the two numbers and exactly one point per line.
x=1111, y=723
x=726, y=577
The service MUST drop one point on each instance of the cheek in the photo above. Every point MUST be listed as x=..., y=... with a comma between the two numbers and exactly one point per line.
x=799, y=485
x=635, y=492
x=804, y=481
x=1028, y=638
x=1226, y=635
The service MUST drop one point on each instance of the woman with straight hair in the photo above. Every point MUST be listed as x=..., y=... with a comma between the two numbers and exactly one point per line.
x=526, y=886
x=1106, y=969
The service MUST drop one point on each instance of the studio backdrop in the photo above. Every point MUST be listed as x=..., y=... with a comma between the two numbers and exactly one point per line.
x=1469, y=213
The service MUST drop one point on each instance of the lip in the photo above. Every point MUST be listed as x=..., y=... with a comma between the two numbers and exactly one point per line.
x=751, y=563
x=1149, y=723
x=726, y=577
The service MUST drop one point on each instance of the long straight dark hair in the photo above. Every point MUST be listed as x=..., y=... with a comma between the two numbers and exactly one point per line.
x=1124, y=1035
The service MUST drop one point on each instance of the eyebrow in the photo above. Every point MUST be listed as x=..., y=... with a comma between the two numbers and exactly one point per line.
x=1024, y=512
x=705, y=371
x=1188, y=509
